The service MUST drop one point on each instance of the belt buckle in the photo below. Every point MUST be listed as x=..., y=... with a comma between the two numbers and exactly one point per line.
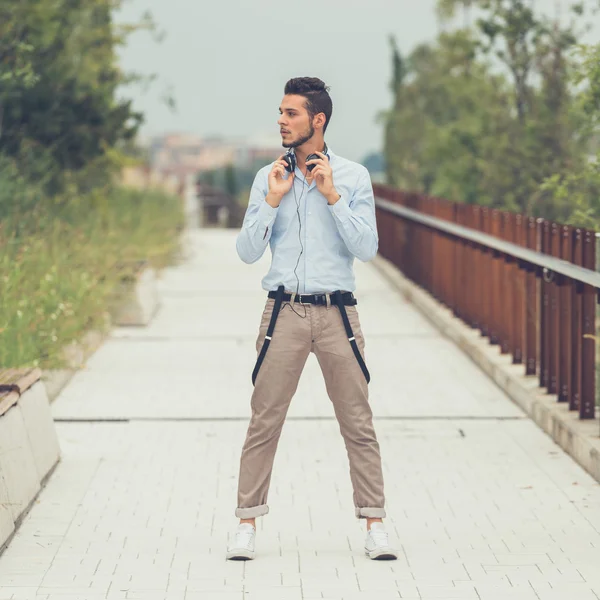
x=303, y=303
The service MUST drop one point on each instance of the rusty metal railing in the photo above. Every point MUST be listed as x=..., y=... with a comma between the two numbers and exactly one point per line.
x=528, y=284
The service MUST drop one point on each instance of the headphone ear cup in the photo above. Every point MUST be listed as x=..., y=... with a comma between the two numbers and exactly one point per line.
x=311, y=157
x=290, y=159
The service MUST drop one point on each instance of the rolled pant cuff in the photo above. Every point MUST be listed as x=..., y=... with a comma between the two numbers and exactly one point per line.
x=252, y=512
x=371, y=513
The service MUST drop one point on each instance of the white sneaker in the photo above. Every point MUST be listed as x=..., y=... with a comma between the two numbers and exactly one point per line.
x=242, y=546
x=377, y=546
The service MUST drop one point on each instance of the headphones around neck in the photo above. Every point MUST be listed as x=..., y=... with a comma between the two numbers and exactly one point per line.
x=290, y=159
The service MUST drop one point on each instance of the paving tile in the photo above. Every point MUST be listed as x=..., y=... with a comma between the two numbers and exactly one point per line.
x=478, y=507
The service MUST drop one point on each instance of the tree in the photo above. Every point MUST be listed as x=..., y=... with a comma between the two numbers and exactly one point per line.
x=448, y=121
x=60, y=107
x=486, y=113
x=542, y=139
x=578, y=189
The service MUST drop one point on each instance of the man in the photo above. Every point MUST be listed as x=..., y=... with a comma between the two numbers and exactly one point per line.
x=317, y=212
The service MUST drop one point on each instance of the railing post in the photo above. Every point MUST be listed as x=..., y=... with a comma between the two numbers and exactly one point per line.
x=439, y=289
x=496, y=284
x=576, y=325
x=506, y=270
x=443, y=258
x=429, y=236
x=588, y=367
x=520, y=277
x=458, y=279
x=477, y=271
x=485, y=282
x=532, y=302
x=400, y=253
x=566, y=292
x=419, y=263
x=545, y=312
x=554, y=340
x=471, y=254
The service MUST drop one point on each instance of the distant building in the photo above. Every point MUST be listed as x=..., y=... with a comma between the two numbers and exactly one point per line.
x=188, y=153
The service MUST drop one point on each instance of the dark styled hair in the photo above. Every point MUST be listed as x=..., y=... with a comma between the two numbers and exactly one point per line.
x=316, y=93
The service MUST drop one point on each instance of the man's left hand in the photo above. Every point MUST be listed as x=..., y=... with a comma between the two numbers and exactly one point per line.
x=323, y=175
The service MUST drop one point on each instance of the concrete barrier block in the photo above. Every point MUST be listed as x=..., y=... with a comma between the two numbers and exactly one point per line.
x=7, y=525
x=17, y=463
x=75, y=355
x=139, y=299
x=55, y=381
x=40, y=428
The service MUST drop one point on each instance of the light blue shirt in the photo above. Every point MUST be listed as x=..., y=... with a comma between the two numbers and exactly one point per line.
x=332, y=235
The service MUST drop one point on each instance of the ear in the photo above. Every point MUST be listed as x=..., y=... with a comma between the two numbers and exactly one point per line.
x=319, y=121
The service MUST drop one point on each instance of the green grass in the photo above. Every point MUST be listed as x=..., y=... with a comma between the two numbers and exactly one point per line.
x=60, y=265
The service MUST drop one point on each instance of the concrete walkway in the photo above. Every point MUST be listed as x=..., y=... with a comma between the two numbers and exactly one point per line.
x=480, y=502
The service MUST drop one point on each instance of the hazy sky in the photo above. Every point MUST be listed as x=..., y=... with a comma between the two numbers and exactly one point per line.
x=227, y=62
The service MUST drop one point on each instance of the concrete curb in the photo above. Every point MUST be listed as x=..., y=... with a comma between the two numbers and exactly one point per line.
x=29, y=450
x=138, y=304
x=580, y=439
x=138, y=300
x=76, y=354
x=35, y=408
x=7, y=525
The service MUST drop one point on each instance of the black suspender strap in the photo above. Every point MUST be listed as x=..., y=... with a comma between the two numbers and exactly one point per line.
x=338, y=300
x=340, y=304
x=270, y=329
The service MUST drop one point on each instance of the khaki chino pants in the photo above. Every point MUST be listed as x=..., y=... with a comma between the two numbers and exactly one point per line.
x=322, y=332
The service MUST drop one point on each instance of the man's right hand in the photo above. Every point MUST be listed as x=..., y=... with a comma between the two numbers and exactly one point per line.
x=278, y=186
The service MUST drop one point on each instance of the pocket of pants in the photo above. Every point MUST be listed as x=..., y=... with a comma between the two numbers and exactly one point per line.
x=267, y=312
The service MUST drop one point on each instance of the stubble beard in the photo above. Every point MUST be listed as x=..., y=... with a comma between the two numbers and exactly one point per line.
x=302, y=139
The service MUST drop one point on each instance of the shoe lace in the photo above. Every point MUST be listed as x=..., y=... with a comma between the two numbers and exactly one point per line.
x=379, y=537
x=243, y=538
